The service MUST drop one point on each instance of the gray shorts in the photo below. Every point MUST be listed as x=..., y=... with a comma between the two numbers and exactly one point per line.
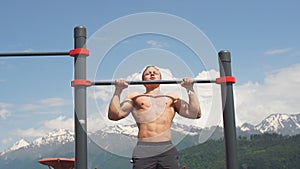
x=155, y=155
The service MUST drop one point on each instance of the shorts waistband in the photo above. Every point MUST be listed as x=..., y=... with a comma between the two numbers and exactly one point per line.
x=155, y=143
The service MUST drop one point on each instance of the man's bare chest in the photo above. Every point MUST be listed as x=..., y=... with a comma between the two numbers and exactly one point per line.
x=149, y=101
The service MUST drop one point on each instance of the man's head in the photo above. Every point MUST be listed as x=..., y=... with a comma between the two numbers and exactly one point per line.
x=151, y=73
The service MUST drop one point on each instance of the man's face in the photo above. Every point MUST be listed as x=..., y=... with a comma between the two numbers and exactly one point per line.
x=151, y=73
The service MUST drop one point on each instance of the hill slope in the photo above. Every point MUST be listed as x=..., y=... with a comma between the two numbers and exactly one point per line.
x=266, y=151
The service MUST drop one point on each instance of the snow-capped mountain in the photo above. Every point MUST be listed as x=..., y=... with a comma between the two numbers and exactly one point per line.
x=129, y=130
x=276, y=123
x=19, y=144
x=247, y=127
x=60, y=136
x=132, y=130
x=186, y=130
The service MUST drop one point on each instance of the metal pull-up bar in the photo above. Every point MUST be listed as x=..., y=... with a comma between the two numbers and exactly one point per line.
x=73, y=52
x=35, y=54
x=87, y=83
x=103, y=83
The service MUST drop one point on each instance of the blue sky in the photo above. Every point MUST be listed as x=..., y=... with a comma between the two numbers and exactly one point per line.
x=35, y=94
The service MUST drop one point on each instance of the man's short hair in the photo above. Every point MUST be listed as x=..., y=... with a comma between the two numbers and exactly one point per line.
x=149, y=66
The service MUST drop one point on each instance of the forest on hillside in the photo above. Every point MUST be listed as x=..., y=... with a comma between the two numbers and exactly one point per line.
x=264, y=151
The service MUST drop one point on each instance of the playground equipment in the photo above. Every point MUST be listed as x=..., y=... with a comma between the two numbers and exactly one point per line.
x=80, y=84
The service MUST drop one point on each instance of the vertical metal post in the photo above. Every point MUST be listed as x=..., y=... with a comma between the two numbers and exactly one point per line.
x=80, y=100
x=228, y=111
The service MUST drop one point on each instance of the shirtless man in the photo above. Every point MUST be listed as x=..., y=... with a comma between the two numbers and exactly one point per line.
x=154, y=113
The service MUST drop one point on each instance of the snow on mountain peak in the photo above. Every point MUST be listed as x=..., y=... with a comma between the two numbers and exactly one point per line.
x=19, y=144
x=130, y=130
x=247, y=127
x=277, y=122
x=56, y=136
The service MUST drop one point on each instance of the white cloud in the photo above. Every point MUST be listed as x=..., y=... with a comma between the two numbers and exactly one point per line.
x=102, y=93
x=278, y=94
x=31, y=132
x=30, y=107
x=4, y=110
x=60, y=122
x=45, y=104
x=97, y=120
x=277, y=51
x=54, y=102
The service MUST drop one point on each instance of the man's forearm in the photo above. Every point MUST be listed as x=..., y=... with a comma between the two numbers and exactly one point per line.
x=194, y=105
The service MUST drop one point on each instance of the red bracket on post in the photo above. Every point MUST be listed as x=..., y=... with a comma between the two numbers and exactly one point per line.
x=79, y=51
x=86, y=83
x=225, y=79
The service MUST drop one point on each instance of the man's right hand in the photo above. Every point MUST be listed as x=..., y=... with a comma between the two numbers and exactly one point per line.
x=121, y=84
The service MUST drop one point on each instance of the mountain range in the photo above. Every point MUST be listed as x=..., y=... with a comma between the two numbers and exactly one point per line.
x=60, y=142
x=282, y=124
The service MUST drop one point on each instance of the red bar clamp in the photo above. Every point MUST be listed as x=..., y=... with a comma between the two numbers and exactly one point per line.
x=225, y=79
x=86, y=83
x=79, y=51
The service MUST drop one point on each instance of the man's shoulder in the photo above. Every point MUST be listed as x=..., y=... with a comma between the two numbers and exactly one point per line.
x=173, y=95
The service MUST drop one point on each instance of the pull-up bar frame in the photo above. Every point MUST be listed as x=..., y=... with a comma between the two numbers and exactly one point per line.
x=81, y=83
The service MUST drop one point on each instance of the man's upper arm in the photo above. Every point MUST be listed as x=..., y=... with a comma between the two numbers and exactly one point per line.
x=126, y=106
x=181, y=107
x=178, y=104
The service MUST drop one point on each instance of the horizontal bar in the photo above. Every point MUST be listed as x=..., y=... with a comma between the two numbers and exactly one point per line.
x=34, y=54
x=103, y=83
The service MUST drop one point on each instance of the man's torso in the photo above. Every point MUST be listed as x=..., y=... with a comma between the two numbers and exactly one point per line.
x=153, y=115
